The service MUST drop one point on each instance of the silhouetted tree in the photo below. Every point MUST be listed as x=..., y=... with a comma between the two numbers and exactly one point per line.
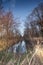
x=34, y=24
x=38, y=15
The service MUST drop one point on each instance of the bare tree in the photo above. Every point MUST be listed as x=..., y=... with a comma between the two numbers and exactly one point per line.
x=34, y=24
x=35, y=21
x=10, y=29
x=38, y=15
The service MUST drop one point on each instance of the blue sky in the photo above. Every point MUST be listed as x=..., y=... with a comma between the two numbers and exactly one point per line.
x=21, y=8
x=25, y=7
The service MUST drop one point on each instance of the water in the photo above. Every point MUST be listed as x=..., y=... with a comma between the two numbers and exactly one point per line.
x=18, y=48
x=22, y=47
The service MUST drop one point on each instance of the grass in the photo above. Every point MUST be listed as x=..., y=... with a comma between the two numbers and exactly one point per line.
x=1, y=54
x=8, y=56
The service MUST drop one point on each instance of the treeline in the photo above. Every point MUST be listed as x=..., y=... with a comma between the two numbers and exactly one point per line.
x=34, y=26
x=9, y=28
x=34, y=22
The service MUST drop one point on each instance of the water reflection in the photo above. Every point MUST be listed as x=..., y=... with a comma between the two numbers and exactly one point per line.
x=21, y=47
x=18, y=48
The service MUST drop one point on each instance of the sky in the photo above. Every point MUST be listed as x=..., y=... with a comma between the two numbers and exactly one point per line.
x=21, y=8
x=24, y=7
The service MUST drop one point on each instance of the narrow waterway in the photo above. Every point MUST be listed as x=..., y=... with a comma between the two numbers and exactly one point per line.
x=18, y=48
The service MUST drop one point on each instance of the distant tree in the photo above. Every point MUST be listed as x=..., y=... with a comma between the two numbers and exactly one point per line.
x=35, y=22
x=38, y=15
x=35, y=31
x=10, y=29
x=34, y=25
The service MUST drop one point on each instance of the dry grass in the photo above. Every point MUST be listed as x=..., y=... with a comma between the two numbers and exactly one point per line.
x=37, y=57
